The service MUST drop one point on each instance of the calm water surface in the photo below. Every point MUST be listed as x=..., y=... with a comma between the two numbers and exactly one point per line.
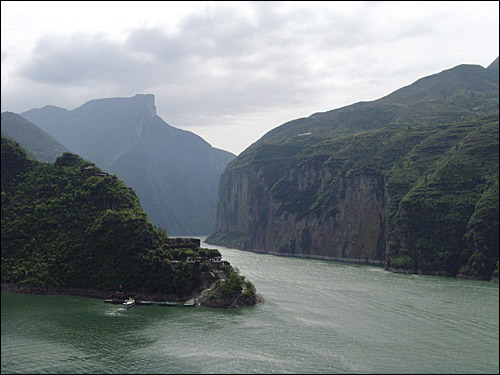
x=317, y=317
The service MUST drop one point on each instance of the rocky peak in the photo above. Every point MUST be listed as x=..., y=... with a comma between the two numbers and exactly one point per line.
x=148, y=100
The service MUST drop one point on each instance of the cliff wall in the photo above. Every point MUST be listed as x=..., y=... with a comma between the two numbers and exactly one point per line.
x=421, y=200
x=352, y=225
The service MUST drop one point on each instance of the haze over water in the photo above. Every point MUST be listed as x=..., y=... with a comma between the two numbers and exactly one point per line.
x=317, y=317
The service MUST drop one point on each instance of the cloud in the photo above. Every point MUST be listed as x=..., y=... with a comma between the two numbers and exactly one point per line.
x=82, y=60
x=225, y=53
x=224, y=63
x=155, y=42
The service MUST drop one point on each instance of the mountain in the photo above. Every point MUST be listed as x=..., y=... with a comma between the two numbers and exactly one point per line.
x=37, y=143
x=493, y=68
x=408, y=181
x=174, y=172
x=70, y=225
x=462, y=92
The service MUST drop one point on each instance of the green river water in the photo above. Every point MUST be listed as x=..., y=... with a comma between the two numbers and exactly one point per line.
x=316, y=317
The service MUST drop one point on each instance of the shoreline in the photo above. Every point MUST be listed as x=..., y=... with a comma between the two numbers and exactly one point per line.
x=102, y=294
x=83, y=292
x=362, y=261
x=358, y=261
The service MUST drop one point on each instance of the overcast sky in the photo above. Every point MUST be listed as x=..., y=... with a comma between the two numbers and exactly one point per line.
x=231, y=71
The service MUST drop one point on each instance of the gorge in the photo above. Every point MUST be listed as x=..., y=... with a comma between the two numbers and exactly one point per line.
x=408, y=181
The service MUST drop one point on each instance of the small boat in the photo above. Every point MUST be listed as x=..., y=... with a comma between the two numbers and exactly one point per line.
x=143, y=302
x=118, y=298
x=128, y=304
x=167, y=303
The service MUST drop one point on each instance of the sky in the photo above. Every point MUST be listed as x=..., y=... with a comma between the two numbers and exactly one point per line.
x=232, y=71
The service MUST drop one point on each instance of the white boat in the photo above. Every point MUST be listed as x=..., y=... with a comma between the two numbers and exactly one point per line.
x=128, y=303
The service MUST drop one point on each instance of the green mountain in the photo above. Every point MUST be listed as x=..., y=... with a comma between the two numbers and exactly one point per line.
x=456, y=94
x=409, y=181
x=174, y=172
x=70, y=225
x=37, y=143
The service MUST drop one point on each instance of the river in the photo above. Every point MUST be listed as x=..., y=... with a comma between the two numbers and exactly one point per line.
x=316, y=317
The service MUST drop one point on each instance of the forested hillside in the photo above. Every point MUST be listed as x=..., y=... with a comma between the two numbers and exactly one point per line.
x=69, y=224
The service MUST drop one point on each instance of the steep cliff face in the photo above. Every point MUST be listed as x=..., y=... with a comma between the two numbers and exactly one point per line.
x=404, y=181
x=351, y=226
x=425, y=202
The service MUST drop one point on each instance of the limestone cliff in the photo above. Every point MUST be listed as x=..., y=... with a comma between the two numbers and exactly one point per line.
x=405, y=181
x=423, y=203
x=256, y=217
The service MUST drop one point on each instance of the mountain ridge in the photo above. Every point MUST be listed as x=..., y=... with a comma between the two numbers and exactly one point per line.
x=38, y=143
x=389, y=107
x=109, y=132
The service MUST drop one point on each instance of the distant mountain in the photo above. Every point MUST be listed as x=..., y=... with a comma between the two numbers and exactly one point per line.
x=175, y=172
x=69, y=225
x=37, y=143
x=408, y=181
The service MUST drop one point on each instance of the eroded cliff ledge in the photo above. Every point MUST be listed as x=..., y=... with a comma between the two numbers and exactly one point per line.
x=408, y=199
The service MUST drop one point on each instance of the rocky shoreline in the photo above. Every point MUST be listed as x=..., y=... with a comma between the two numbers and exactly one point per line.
x=493, y=279
x=237, y=301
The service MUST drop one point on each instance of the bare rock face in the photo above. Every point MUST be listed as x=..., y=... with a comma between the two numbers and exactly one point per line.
x=259, y=218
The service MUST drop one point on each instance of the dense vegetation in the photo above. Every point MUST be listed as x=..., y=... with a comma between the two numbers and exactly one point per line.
x=447, y=199
x=69, y=224
x=433, y=145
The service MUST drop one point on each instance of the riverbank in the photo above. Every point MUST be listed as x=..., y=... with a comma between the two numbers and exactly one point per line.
x=360, y=261
x=238, y=301
x=317, y=317
x=83, y=292
x=365, y=261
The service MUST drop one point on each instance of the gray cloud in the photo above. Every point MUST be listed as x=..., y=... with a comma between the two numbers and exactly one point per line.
x=224, y=52
x=226, y=62
x=155, y=42
x=77, y=60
